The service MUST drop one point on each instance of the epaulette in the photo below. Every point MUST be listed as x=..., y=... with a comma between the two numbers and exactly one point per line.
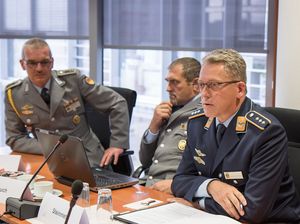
x=196, y=113
x=257, y=119
x=72, y=71
x=13, y=84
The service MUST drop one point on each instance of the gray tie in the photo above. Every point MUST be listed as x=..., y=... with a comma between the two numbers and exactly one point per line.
x=220, y=132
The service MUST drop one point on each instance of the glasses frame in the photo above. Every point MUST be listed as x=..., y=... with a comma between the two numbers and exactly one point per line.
x=215, y=85
x=34, y=64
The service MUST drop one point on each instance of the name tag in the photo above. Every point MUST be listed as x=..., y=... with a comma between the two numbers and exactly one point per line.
x=233, y=175
x=55, y=209
x=10, y=187
x=10, y=162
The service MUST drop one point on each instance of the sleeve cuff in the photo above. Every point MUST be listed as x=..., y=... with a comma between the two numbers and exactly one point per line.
x=150, y=137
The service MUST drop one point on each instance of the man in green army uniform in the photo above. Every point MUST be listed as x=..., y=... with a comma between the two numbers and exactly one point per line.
x=54, y=100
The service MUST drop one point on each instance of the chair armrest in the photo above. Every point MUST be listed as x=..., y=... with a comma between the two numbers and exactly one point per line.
x=138, y=171
x=126, y=153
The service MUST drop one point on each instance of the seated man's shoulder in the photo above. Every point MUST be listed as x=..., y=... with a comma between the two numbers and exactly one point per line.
x=66, y=72
x=258, y=118
x=196, y=114
x=14, y=84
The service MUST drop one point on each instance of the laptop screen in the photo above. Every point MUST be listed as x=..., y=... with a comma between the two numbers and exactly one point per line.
x=65, y=163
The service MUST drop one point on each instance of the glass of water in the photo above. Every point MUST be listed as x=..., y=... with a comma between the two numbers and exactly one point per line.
x=84, y=197
x=104, y=206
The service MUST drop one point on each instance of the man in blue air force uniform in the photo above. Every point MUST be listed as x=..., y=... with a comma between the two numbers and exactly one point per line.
x=62, y=109
x=241, y=169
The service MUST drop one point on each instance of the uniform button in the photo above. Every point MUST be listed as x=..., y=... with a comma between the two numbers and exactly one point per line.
x=235, y=181
x=150, y=177
x=220, y=175
x=156, y=161
x=162, y=145
x=199, y=173
x=185, y=132
x=169, y=130
x=52, y=119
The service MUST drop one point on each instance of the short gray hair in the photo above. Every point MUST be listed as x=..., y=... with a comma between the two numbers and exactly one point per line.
x=35, y=43
x=234, y=64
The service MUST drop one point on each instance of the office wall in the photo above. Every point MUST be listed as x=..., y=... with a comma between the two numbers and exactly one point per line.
x=288, y=55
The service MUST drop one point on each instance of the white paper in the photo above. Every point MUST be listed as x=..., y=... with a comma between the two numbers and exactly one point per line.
x=176, y=213
x=10, y=187
x=145, y=203
x=54, y=210
x=95, y=218
x=10, y=162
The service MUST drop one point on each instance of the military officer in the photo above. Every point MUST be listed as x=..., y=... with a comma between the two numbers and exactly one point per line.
x=235, y=162
x=164, y=141
x=60, y=107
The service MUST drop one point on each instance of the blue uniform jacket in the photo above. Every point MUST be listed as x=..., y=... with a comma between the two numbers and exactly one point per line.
x=252, y=157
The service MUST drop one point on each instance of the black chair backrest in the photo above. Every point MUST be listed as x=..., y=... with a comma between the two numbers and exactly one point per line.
x=99, y=122
x=290, y=120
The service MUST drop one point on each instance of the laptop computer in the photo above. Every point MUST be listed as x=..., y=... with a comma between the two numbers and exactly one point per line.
x=70, y=163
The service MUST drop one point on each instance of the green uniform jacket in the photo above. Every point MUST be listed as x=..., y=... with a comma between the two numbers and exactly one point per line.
x=25, y=110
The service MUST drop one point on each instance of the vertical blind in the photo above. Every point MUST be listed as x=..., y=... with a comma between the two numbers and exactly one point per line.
x=186, y=24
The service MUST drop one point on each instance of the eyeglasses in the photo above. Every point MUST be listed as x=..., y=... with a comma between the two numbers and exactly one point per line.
x=214, y=86
x=34, y=64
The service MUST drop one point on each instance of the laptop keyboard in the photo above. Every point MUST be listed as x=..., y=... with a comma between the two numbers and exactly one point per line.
x=105, y=181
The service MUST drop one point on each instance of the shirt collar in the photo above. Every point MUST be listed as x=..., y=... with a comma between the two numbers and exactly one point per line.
x=226, y=123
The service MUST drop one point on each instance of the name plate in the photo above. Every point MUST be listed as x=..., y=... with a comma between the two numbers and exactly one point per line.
x=10, y=162
x=10, y=187
x=55, y=209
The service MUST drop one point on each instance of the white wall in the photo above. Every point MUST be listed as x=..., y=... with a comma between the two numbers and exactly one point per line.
x=288, y=55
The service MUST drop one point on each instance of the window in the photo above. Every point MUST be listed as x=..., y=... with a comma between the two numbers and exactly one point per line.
x=141, y=38
x=66, y=22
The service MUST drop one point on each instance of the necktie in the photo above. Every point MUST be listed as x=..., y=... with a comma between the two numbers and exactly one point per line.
x=45, y=95
x=220, y=132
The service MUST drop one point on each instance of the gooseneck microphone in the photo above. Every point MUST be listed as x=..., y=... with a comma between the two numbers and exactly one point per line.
x=23, y=209
x=77, y=187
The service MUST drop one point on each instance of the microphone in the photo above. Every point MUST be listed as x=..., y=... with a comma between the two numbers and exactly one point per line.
x=77, y=187
x=24, y=209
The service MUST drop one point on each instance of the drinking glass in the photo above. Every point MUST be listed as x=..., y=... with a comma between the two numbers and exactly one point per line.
x=84, y=197
x=104, y=206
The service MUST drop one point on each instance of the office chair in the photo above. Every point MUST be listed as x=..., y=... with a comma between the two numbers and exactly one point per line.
x=290, y=120
x=99, y=122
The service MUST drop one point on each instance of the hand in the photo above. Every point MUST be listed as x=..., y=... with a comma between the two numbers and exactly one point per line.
x=162, y=112
x=110, y=154
x=163, y=185
x=231, y=200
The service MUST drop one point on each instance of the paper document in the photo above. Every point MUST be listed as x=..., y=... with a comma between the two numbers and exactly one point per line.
x=174, y=213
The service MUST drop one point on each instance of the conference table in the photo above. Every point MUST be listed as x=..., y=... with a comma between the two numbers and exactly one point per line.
x=120, y=197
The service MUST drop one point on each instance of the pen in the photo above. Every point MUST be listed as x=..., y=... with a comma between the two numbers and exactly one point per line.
x=148, y=202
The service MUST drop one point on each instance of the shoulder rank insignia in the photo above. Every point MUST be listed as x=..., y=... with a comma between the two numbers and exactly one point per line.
x=196, y=113
x=72, y=71
x=257, y=119
x=13, y=84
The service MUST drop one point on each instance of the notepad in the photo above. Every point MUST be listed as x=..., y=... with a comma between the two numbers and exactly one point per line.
x=174, y=213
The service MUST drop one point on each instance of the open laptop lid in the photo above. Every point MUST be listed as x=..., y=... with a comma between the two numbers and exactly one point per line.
x=64, y=163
